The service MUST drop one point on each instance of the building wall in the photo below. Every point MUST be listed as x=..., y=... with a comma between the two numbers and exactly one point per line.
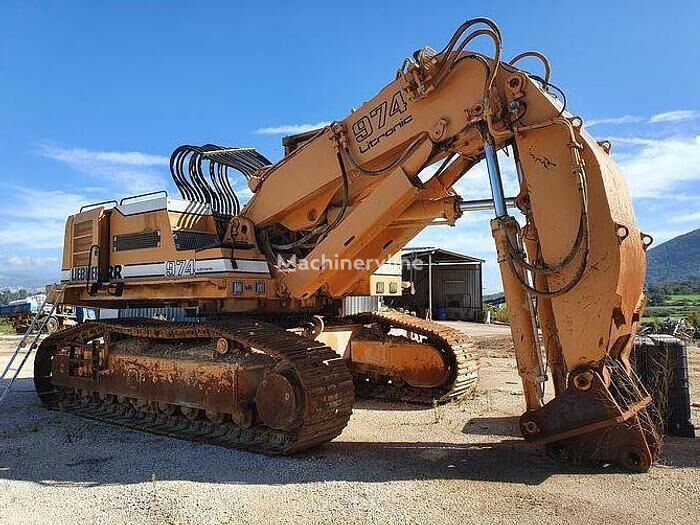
x=457, y=288
x=457, y=292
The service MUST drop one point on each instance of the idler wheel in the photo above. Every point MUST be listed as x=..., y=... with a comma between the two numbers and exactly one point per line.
x=279, y=402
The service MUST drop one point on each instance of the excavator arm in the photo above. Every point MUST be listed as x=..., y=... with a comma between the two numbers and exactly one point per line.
x=574, y=271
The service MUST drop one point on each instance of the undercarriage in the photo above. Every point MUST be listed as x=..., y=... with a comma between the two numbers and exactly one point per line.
x=247, y=383
x=241, y=383
x=431, y=363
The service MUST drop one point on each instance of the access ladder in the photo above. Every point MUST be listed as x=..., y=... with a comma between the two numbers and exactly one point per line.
x=28, y=343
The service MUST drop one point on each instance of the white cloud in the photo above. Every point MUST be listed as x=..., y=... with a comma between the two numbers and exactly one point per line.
x=290, y=129
x=28, y=271
x=675, y=116
x=468, y=237
x=35, y=219
x=659, y=168
x=30, y=234
x=661, y=236
x=244, y=194
x=15, y=261
x=81, y=157
x=656, y=170
x=686, y=217
x=625, y=119
x=682, y=115
x=475, y=183
x=130, y=171
x=30, y=203
x=634, y=141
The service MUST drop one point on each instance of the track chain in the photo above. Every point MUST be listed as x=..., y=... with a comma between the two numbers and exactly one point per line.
x=457, y=350
x=325, y=380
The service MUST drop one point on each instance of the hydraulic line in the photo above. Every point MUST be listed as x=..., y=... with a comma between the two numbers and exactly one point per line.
x=515, y=256
x=322, y=231
x=446, y=68
x=188, y=168
x=466, y=25
x=403, y=156
x=535, y=54
x=176, y=159
x=580, y=174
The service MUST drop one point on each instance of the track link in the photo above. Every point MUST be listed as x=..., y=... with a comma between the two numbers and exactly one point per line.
x=457, y=350
x=325, y=380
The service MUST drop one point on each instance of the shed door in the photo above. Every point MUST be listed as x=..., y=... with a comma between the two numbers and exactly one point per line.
x=455, y=292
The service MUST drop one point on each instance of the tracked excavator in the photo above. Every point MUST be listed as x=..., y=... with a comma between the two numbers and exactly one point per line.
x=271, y=365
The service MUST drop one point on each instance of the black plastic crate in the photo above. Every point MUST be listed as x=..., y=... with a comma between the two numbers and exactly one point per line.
x=661, y=362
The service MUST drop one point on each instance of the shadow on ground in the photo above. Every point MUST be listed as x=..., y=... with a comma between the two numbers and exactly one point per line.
x=493, y=426
x=386, y=405
x=58, y=449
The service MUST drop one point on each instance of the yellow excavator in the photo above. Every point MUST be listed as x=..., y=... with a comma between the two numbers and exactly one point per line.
x=272, y=366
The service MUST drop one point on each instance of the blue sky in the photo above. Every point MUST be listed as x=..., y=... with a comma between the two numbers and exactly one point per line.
x=94, y=96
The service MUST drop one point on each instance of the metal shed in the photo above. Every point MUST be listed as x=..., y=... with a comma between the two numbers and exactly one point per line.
x=446, y=285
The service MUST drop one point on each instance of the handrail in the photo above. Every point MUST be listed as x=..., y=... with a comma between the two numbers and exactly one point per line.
x=142, y=195
x=94, y=249
x=82, y=208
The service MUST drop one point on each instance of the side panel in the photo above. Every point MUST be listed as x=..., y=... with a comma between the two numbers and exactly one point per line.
x=159, y=251
x=85, y=231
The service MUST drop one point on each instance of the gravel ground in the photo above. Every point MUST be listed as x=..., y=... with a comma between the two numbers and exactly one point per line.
x=394, y=463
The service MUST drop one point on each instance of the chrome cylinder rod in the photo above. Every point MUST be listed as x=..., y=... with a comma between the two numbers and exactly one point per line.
x=499, y=200
x=518, y=165
x=483, y=204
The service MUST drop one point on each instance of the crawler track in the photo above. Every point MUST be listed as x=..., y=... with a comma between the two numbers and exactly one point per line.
x=458, y=352
x=325, y=380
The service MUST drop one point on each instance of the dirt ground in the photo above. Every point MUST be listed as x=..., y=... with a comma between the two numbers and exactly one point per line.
x=395, y=463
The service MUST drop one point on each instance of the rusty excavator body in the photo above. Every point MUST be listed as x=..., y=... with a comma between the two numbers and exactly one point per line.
x=271, y=365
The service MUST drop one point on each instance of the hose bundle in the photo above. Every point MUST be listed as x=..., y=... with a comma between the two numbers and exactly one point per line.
x=189, y=164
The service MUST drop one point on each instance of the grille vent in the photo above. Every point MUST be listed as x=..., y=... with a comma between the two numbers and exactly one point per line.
x=194, y=240
x=136, y=241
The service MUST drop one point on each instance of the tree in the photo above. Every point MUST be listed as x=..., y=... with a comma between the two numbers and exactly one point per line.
x=655, y=297
x=7, y=295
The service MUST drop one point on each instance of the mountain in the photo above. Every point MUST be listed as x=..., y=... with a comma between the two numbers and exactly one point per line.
x=495, y=298
x=677, y=259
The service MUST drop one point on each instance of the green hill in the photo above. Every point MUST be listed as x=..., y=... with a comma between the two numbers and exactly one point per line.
x=677, y=259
